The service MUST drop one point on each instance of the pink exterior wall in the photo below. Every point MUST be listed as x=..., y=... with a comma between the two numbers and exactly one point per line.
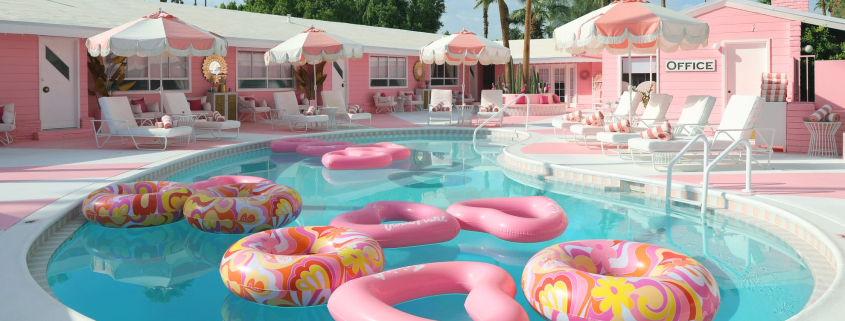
x=828, y=92
x=583, y=86
x=800, y=5
x=726, y=24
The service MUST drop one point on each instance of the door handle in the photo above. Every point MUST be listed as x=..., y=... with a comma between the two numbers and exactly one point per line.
x=45, y=89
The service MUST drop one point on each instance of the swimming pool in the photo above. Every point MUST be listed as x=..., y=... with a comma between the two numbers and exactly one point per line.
x=171, y=272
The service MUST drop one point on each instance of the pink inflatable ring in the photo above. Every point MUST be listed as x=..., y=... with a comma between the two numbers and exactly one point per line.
x=289, y=145
x=355, y=159
x=604, y=280
x=423, y=224
x=491, y=292
x=516, y=219
x=397, y=152
x=228, y=180
x=318, y=149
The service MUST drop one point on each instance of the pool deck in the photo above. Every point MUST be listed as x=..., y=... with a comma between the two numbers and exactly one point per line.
x=39, y=177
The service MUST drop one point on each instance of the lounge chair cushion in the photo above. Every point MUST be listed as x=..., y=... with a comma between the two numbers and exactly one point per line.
x=654, y=145
x=585, y=130
x=306, y=119
x=151, y=131
x=117, y=109
x=616, y=138
x=560, y=123
x=229, y=124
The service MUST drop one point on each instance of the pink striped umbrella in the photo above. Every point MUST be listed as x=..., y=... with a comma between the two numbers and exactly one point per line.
x=159, y=33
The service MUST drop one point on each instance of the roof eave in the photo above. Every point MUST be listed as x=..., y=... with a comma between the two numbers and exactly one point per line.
x=789, y=14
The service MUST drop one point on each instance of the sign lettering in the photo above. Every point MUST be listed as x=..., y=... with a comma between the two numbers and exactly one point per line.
x=691, y=65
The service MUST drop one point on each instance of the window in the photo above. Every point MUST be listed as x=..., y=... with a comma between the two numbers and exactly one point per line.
x=254, y=74
x=388, y=71
x=642, y=69
x=564, y=84
x=444, y=75
x=149, y=73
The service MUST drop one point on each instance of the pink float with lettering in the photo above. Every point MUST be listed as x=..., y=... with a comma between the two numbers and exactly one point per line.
x=318, y=149
x=491, y=292
x=516, y=219
x=289, y=145
x=356, y=159
x=397, y=152
x=422, y=224
x=228, y=180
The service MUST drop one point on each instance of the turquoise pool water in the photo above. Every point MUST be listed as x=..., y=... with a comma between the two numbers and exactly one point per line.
x=171, y=272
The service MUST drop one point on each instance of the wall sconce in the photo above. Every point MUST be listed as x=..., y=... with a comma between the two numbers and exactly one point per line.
x=716, y=46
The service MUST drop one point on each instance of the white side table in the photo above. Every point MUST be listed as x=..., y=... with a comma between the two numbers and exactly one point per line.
x=823, y=138
x=329, y=111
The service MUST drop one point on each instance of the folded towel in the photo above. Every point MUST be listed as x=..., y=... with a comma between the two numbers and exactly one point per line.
x=167, y=120
x=617, y=126
x=311, y=111
x=652, y=133
x=596, y=119
x=820, y=114
x=625, y=130
x=833, y=117
x=159, y=124
x=573, y=117
x=665, y=136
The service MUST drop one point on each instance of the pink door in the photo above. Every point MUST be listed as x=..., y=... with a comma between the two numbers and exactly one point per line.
x=745, y=64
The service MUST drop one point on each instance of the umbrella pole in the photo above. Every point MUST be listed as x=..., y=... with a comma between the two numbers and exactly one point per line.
x=630, y=88
x=463, y=90
x=315, y=85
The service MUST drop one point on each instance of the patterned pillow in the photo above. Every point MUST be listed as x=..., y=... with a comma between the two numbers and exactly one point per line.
x=352, y=110
x=621, y=127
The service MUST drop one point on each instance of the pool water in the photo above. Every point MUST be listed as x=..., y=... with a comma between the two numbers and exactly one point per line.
x=171, y=272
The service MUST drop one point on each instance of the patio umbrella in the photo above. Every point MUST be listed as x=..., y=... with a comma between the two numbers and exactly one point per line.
x=157, y=34
x=313, y=46
x=631, y=26
x=464, y=48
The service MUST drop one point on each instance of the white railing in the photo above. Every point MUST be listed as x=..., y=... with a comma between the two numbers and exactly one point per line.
x=501, y=114
x=678, y=157
x=748, y=164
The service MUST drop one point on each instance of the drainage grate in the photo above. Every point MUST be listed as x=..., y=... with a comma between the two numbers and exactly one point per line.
x=841, y=236
x=30, y=221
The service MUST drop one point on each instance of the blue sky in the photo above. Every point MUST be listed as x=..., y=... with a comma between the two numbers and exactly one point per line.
x=460, y=14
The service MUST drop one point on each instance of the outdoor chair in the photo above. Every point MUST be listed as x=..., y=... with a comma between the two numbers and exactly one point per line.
x=620, y=113
x=118, y=121
x=287, y=110
x=252, y=109
x=440, y=96
x=334, y=98
x=8, y=123
x=653, y=115
x=415, y=104
x=495, y=98
x=384, y=103
x=177, y=106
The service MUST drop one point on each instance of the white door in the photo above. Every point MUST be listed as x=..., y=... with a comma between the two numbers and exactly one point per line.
x=339, y=78
x=745, y=64
x=58, y=88
x=564, y=84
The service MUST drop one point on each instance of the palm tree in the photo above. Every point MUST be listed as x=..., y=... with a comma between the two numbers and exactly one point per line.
x=547, y=15
x=526, y=51
x=663, y=3
x=504, y=21
x=484, y=4
x=821, y=5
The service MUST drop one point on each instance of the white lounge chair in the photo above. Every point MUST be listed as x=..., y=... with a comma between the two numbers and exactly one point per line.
x=494, y=97
x=8, y=124
x=177, y=106
x=654, y=114
x=620, y=113
x=440, y=96
x=120, y=122
x=287, y=110
x=252, y=109
x=334, y=98
x=416, y=105
x=737, y=122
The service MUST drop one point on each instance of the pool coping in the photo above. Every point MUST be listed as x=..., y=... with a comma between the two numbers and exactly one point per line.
x=49, y=231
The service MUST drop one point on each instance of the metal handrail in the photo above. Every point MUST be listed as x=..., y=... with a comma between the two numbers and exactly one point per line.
x=678, y=157
x=748, y=162
x=502, y=111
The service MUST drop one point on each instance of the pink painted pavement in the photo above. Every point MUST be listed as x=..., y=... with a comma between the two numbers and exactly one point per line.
x=384, y=121
x=12, y=212
x=827, y=185
x=58, y=172
x=560, y=148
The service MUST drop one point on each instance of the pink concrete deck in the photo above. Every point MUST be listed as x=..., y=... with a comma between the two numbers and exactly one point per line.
x=12, y=212
x=827, y=185
x=58, y=172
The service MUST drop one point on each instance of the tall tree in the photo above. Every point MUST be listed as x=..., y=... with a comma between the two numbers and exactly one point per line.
x=484, y=5
x=526, y=51
x=820, y=5
x=547, y=14
x=663, y=3
x=504, y=21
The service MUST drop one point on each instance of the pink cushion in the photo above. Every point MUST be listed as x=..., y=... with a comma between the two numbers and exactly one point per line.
x=196, y=104
x=556, y=99
x=139, y=101
x=520, y=100
x=410, y=97
x=250, y=98
x=384, y=94
x=1, y=113
x=544, y=99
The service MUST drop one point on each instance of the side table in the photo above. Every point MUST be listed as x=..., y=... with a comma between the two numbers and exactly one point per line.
x=329, y=111
x=823, y=138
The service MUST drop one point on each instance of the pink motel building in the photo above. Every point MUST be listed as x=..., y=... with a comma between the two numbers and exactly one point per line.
x=42, y=46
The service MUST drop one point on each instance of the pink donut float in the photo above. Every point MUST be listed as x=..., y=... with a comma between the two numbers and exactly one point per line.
x=289, y=145
x=422, y=224
x=318, y=149
x=228, y=180
x=491, y=292
x=356, y=159
x=397, y=152
x=371, y=175
x=516, y=219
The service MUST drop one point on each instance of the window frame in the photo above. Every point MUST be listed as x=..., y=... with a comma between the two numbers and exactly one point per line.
x=457, y=76
x=656, y=61
x=370, y=72
x=266, y=74
x=148, y=78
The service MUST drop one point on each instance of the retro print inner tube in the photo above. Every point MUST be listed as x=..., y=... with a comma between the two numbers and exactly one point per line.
x=490, y=290
x=605, y=280
x=138, y=204
x=421, y=224
x=289, y=145
x=243, y=208
x=298, y=266
x=516, y=219
x=227, y=180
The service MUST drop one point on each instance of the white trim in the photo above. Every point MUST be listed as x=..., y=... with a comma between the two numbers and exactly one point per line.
x=161, y=79
x=724, y=70
x=788, y=14
x=457, y=76
x=384, y=51
x=620, y=73
x=561, y=60
x=266, y=78
x=370, y=78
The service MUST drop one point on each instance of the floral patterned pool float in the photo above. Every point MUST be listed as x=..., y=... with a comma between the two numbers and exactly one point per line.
x=138, y=204
x=243, y=208
x=298, y=266
x=603, y=280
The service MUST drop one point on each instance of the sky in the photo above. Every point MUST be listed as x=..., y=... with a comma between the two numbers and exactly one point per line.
x=460, y=14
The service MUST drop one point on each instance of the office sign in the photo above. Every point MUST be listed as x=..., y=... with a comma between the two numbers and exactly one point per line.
x=691, y=65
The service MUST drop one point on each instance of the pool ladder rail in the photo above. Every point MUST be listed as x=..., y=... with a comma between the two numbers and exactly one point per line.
x=498, y=114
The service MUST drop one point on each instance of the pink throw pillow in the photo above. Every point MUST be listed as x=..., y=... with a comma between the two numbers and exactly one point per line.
x=520, y=100
x=544, y=99
x=195, y=104
x=139, y=101
x=556, y=99
x=249, y=98
x=384, y=94
x=1, y=113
